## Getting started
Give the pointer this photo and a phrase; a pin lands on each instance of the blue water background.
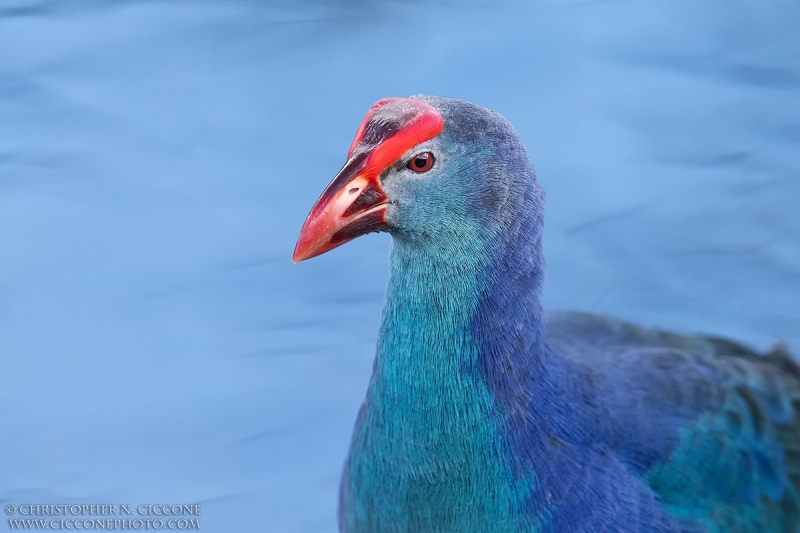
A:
(157, 160)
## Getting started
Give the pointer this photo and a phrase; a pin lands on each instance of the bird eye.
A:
(421, 162)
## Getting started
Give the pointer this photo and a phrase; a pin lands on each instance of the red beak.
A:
(354, 203)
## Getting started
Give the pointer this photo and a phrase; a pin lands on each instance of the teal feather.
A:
(735, 469)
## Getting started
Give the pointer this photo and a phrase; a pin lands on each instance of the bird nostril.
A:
(353, 190)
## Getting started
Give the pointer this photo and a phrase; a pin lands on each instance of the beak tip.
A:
(297, 256)
(304, 250)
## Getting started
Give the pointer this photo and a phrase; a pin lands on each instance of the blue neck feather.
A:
(453, 383)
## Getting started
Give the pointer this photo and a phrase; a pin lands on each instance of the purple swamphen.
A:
(483, 413)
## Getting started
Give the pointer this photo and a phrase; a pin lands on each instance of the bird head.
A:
(427, 170)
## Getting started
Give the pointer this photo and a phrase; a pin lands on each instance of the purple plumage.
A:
(485, 415)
